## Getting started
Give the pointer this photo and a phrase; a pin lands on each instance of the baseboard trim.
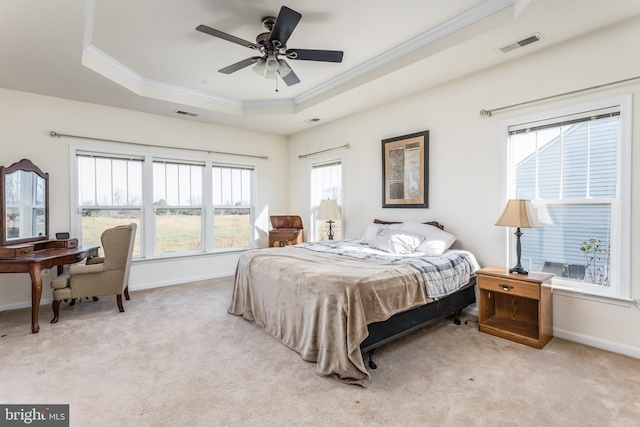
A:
(152, 285)
(140, 287)
(18, 305)
(614, 347)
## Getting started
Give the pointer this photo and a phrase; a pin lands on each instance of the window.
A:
(109, 194)
(181, 206)
(574, 169)
(326, 183)
(177, 201)
(232, 205)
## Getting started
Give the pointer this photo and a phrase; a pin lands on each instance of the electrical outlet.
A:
(45, 272)
(638, 303)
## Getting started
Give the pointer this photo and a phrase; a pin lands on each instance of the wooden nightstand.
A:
(515, 306)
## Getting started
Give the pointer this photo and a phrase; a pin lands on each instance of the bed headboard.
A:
(434, 223)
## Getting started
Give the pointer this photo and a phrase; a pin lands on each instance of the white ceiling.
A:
(146, 55)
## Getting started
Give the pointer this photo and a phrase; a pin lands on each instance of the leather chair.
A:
(108, 275)
(286, 230)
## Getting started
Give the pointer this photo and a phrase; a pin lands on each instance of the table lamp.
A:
(329, 211)
(519, 213)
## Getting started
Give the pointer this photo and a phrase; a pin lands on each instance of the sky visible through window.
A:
(109, 182)
(177, 184)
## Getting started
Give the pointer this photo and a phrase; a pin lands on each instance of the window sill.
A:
(567, 291)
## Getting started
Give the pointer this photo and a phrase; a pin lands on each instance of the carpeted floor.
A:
(176, 358)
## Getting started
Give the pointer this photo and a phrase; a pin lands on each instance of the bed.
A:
(331, 301)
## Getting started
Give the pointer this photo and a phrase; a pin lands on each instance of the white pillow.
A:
(398, 242)
(436, 241)
(372, 231)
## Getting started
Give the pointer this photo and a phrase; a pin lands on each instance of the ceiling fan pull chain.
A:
(276, 84)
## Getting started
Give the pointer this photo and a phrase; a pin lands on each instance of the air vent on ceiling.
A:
(186, 113)
(520, 43)
(315, 119)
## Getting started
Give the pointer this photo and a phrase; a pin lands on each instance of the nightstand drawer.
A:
(508, 286)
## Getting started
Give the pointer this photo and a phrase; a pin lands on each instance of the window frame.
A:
(620, 291)
(147, 208)
(202, 207)
(76, 220)
(252, 232)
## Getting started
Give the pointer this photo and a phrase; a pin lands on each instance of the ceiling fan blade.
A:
(285, 24)
(290, 79)
(239, 65)
(224, 36)
(315, 55)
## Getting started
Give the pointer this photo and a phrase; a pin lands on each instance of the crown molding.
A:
(436, 33)
(102, 63)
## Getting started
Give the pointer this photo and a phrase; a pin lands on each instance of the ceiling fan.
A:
(272, 46)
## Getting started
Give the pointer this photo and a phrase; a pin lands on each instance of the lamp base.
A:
(518, 270)
(330, 233)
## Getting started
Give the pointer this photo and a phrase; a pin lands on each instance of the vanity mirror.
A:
(24, 205)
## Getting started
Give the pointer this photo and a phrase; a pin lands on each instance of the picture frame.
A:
(405, 171)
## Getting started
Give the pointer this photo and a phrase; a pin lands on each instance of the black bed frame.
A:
(408, 321)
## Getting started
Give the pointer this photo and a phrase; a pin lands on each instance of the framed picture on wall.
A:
(405, 171)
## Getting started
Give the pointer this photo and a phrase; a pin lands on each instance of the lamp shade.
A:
(519, 213)
(283, 68)
(328, 210)
(260, 67)
(272, 63)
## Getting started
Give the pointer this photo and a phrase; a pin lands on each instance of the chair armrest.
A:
(60, 282)
(86, 269)
(95, 260)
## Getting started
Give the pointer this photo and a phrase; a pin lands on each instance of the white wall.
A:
(466, 189)
(26, 120)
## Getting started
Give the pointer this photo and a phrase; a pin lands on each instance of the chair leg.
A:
(95, 298)
(126, 293)
(120, 307)
(73, 302)
(56, 311)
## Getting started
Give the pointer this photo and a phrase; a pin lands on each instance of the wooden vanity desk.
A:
(35, 257)
(24, 229)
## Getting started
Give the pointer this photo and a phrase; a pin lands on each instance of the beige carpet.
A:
(176, 358)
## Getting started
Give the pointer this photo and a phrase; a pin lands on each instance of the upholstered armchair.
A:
(108, 275)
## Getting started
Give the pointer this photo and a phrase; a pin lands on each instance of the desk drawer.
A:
(9, 252)
(508, 286)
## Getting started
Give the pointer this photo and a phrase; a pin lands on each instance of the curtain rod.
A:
(488, 113)
(54, 134)
(304, 156)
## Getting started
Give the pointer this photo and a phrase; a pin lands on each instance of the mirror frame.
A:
(27, 166)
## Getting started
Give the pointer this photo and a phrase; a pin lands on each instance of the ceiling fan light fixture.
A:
(270, 75)
(272, 63)
(283, 68)
(260, 67)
